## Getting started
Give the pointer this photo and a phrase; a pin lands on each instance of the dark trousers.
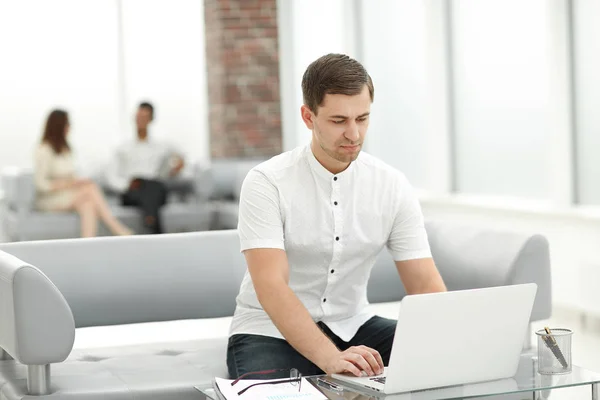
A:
(251, 353)
(149, 196)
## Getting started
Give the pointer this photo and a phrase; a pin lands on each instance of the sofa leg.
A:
(38, 379)
(4, 355)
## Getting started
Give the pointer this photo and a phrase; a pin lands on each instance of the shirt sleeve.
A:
(116, 178)
(260, 223)
(408, 239)
(43, 160)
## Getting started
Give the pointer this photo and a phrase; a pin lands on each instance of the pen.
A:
(553, 346)
(330, 385)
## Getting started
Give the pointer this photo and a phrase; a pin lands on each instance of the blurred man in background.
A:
(140, 169)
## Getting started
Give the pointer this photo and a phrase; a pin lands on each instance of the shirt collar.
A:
(320, 170)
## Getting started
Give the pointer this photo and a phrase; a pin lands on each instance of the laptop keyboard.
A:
(380, 379)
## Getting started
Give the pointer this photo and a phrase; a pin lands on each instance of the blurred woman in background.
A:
(58, 188)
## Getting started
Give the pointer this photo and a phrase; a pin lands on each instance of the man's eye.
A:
(338, 121)
(362, 119)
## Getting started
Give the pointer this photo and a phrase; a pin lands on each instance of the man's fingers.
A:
(349, 367)
(376, 356)
(379, 360)
(372, 357)
(372, 360)
(359, 360)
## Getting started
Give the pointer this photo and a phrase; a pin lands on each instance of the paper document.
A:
(280, 391)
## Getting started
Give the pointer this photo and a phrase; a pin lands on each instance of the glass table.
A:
(526, 384)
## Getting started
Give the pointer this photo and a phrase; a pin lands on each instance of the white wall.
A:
(67, 54)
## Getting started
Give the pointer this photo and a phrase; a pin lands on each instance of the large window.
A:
(308, 29)
(164, 62)
(587, 98)
(97, 59)
(394, 51)
(502, 111)
(59, 53)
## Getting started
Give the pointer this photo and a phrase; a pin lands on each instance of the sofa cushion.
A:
(227, 176)
(226, 214)
(187, 217)
(41, 225)
(153, 371)
(158, 360)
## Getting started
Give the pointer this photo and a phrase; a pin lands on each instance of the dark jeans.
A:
(251, 353)
(149, 196)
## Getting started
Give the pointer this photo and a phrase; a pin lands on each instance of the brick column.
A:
(243, 78)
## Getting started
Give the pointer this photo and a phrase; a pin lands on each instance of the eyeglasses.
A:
(295, 379)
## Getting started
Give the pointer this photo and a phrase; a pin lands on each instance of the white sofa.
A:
(149, 314)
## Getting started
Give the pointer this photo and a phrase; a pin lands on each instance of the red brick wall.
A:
(243, 78)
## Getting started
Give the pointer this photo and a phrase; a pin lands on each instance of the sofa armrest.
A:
(203, 181)
(533, 265)
(19, 189)
(37, 324)
(470, 257)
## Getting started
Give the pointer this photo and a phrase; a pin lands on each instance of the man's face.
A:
(143, 117)
(340, 126)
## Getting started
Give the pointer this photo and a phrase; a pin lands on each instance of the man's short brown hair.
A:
(334, 74)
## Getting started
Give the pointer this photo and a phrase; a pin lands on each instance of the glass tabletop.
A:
(527, 379)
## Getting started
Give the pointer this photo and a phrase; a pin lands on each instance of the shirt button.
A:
(335, 203)
(335, 178)
(332, 271)
(324, 300)
(337, 238)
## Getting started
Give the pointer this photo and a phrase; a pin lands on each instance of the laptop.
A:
(455, 338)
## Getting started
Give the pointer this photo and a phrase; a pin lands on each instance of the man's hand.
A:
(356, 360)
(177, 165)
(135, 184)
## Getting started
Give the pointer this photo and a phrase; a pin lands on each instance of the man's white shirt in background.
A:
(136, 159)
(332, 227)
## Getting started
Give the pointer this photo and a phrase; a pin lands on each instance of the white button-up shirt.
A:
(136, 159)
(332, 227)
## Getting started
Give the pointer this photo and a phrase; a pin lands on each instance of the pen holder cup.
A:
(554, 351)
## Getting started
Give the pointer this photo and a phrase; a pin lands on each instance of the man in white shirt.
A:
(138, 171)
(311, 224)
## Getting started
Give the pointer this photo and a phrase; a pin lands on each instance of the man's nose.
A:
(352, 133)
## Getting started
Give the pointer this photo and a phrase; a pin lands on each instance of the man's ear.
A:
(307, 116)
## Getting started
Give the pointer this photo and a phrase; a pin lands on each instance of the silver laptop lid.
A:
(459, 337)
